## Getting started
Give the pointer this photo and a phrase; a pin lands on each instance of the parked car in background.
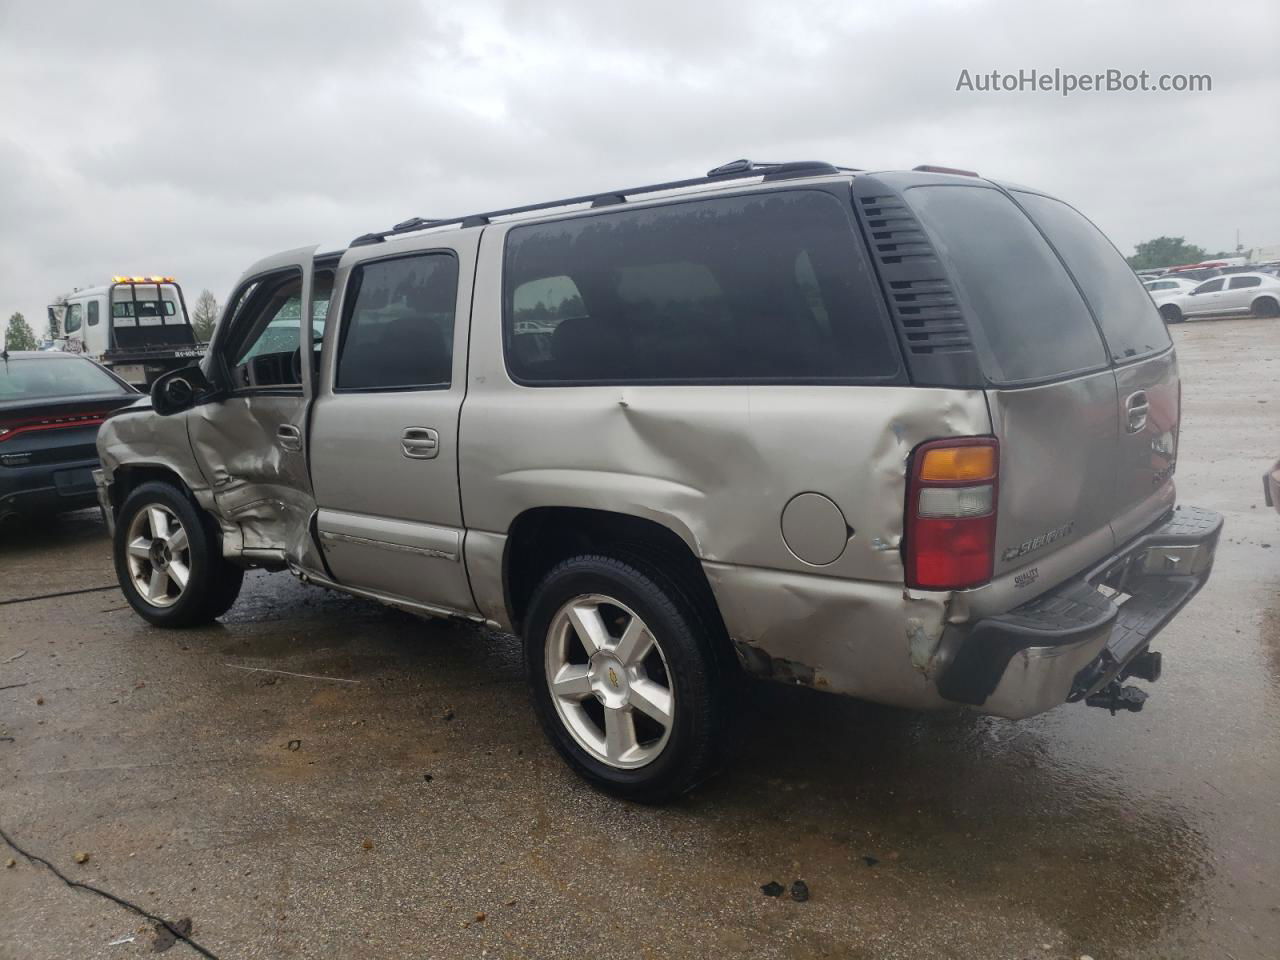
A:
(1169, 285)
(51, 404)
(1237, 293)
(137, 326)
(904, 436)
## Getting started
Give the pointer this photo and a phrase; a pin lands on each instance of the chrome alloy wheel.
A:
(609, 681)
(159, 555)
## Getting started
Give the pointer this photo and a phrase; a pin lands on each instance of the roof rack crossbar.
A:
(735, 170)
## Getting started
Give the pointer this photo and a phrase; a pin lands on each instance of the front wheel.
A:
(625, 677)
(168, 560)
(1171, 313)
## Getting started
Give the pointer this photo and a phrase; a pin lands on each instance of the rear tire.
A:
(1265, 307)
(169, 561)
(1171, 313)
(626, 678)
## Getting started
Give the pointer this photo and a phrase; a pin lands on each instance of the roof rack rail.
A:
(734, 170)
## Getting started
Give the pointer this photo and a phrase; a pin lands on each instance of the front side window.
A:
(398, 333)
(263, 348)
(1027, 317)
(1211, 286)
(769, 287)
(74, 318)
(1238, 283)
(1129, 322)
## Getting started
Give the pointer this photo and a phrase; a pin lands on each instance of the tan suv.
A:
(908, 436)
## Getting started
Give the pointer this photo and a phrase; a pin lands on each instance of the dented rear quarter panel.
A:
(717, 465)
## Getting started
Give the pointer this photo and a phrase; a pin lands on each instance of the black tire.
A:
(1171, 313)
(213, 583)
(1265, 307)
(695, 663)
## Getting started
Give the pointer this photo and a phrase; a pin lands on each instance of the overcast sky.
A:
(191, 139)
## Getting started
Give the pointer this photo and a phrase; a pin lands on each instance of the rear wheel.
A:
(1171, 313)
(168, 559)
(625, 679)
(1266, 307)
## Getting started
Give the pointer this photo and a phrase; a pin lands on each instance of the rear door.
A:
(1146, 370)
(384, 436)
(1052, 393)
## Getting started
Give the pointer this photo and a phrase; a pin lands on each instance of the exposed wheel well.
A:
(542, 537)
(128, 478)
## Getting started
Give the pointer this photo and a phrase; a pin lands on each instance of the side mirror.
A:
(179, 390)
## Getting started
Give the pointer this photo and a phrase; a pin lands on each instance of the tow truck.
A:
(137, 326)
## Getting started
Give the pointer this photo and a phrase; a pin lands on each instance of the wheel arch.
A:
(540, 537)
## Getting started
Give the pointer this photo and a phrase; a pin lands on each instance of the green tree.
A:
(204, 316)
(1165, 252)
(19, 336)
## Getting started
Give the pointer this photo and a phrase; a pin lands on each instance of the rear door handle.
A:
(289, 437)
(1137, 408)
(419, 443)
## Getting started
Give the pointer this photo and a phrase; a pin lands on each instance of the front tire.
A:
(168, 560)
(1171, 313)
(625, 677)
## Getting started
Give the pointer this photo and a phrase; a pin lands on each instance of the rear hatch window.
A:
(1028, 320)
(1129, 319)
(46, 379)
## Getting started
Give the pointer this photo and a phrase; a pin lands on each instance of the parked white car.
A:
(1236, 293)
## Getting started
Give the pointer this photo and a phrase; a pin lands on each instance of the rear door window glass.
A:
(399, 331)
(1028, 319)
(1237, 283)
(1128, 319)
(769, 287)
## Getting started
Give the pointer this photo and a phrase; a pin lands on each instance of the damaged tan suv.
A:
(908, 436)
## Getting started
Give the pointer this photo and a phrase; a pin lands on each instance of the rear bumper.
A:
(1072, 641)
(47, 488)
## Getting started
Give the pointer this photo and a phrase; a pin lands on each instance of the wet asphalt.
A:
(292, 817)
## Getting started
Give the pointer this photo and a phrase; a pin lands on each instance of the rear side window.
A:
(1129, 321)
(93, 313)
(770, 287)
(399, 328)
(1028, 319)
(1236, 283)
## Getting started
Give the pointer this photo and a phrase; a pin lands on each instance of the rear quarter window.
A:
(1028, 319)
(767, 287)
(1128, 319)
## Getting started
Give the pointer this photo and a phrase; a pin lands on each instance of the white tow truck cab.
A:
(137, 326)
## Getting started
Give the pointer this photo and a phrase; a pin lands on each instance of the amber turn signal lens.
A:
(959, 463)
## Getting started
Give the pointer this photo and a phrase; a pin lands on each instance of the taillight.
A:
(951, 513)
(11, 428)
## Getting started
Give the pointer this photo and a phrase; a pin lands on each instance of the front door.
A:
(384, 446)
(251, 446)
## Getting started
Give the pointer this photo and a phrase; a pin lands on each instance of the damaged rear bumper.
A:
(1071, 642)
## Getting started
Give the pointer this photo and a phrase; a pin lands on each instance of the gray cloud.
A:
(192, 139)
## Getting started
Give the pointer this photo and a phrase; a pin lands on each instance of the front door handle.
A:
(420, 443)
(289, 437)
(1137, 407)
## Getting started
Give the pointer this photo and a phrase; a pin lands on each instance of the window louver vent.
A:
(922, 300)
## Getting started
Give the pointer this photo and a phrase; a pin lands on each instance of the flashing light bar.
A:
(143, 280)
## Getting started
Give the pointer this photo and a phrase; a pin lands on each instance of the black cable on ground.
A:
(64, 593)
(177, 934)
